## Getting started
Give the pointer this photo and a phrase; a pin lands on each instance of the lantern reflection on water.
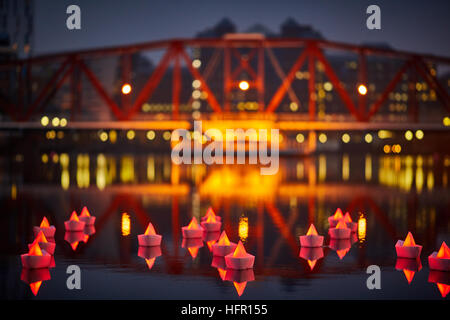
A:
(409, 267)
(442, 281)
(192, 245)
(149, 254)
(240, 278)
(34, 278)
(74, 238)
(341, 246)
(311, 255)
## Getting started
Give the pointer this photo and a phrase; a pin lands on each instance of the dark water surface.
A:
(386, 195)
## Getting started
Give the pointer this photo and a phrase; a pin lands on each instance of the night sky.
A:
(420, 26)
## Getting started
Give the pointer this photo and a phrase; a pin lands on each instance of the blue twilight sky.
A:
(414, 25)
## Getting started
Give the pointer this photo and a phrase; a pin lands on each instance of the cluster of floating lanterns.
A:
(408, 261)
(342, 231)
(39, 259)
(231, 259)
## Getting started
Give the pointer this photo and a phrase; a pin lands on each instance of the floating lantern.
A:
(240, 278)
(239, 259)
(340, 231)
(408, 248)
(36, 258)
(192, 245)
(41, 240)
(312, 238)
(409, 267)
(74, 238)
(46, 228)
(74, 224)
(210, 212)
(86, 217)
(149, 238)
(34, 278)
(440, 260)
(341, 246)
(442, 281)
(353, 226)
(334, 219)
(311, 255)
(210, 224)
(192, 230)
(149, 254)
(223, 247)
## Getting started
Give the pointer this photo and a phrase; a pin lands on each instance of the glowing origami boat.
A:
(311, 255)
(192, 245)
(442, 281)
(34, 278)
(149, 238)
(192, 230)
(409, 267)
(440, 260)
(210, 224)
(86, 217)
(149, 254)
(311, 239)
(334, 219)
(41, 240)
(224, 246)
(210, 212)
(239, 259)
(74, 238)
(46, 228)
(353, 226)
(74, 223)
(340, 231)
(408, 248)
(341, 246)
(239, 278)
(36, 258)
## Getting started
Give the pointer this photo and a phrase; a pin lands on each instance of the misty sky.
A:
(421, 26)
